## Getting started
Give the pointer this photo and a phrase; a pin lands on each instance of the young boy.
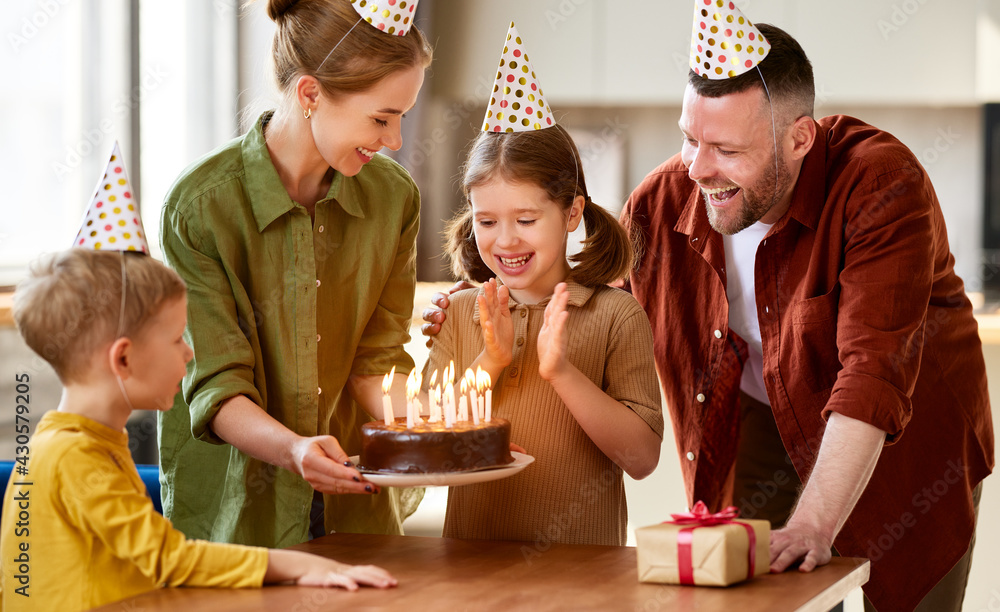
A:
(83, 533)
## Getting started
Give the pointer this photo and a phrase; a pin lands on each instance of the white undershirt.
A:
(741, 253)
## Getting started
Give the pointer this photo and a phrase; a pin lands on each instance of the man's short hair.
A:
(70, 304)
(786, 70)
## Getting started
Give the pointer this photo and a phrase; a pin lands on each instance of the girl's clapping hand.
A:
(552, 338)
(498, 329)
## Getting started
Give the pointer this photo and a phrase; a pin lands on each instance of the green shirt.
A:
(282, 309)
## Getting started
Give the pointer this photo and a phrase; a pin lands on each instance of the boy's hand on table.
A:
(305, 569)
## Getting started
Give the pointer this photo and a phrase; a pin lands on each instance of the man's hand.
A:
(434, 315)
(794, 542)
(847, 456)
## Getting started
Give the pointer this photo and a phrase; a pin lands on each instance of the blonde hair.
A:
(70, 304)
(307, 31)
(549, 159)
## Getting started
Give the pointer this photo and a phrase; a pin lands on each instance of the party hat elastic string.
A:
(774, 133)
(338, 43)
(393, 17)
(121, 330)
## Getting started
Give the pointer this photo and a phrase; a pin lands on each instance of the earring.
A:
(307, 113)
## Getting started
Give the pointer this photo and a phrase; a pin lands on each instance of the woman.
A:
(297, 244)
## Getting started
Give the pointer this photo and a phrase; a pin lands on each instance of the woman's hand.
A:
(435, 314)
(498, 328)
(552, 338)
(326, 467)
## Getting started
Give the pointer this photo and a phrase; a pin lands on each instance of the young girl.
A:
(297, 242)
(570, 357)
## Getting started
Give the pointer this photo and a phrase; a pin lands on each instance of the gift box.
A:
(704, 549)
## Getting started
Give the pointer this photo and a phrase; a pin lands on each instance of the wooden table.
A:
(444, 574)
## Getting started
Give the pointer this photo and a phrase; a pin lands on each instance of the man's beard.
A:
(758, 199)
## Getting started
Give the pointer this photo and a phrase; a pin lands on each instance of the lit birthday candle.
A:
(482, 385)
(449, 405)
(411, 381)
(386, 400)
(470, 383)
(433, 396)
(449, 388)
(463, 402)
(488, 382)
(418, 407)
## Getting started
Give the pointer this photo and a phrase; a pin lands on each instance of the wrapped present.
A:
(703, 549)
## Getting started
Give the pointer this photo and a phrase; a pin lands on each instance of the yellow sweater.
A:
(79, 531)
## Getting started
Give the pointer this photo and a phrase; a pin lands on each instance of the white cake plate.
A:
(448, 479)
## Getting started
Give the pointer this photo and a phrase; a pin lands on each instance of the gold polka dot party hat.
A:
(724, 44)
(390, 16)
(517, 103)
(111, 221)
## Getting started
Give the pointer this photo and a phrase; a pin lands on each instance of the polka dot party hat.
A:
(111, 221)
(724, 44)
(517, 103)
(390, 16)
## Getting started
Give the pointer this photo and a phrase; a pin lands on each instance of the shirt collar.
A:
(268, 197)
(809, 194)
(578, 296)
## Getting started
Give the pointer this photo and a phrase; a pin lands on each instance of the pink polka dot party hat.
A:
(111, 221)
(390, 16)
(724, 44)
(517, 103)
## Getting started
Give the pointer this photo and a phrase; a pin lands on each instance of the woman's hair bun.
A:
(276, 9)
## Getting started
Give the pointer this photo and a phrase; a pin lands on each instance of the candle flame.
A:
(483, 381)
(412, 384)
(450, 379)
(464, 387)
(470, 378)
(434, 378)
(387, 381)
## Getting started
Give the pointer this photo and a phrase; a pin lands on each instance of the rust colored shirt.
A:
(861, 313)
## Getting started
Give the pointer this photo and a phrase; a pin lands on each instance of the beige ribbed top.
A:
(572, 493)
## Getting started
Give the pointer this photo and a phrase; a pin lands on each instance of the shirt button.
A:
(319, 390)
(318, 283)
(700, 397)
(318, 337)
(321, 228)
(718, 333)
(690, 456)
(520, 341)
(524, 312)
(513, 372)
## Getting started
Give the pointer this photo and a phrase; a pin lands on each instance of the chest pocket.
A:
(813, 340)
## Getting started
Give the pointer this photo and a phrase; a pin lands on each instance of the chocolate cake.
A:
(432, 448)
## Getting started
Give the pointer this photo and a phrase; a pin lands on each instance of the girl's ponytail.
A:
(607, 253)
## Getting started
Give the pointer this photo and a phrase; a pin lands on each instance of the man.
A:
(809, 327)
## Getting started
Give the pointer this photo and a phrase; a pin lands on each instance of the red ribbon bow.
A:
(701, 517)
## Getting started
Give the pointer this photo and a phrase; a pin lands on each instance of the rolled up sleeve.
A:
(887, 261)
(223, 361)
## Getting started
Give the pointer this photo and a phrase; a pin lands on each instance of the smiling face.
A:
(159, 358)
(348, 130)
(521, 235)
(729, 150)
